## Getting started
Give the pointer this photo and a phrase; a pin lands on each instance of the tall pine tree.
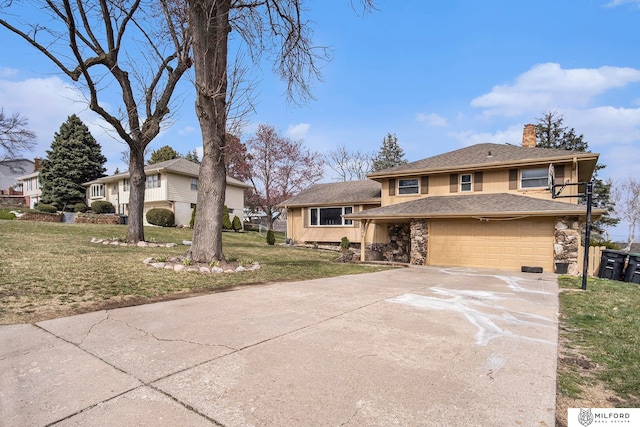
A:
(551, 133)
(75, 158)
(390, 154)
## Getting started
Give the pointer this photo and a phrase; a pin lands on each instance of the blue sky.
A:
(440, 74)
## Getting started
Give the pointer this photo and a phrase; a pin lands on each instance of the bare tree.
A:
(276, 29)
(280, 167)
(138, 49)
(627, 199)
(15, 136)
(350, 165)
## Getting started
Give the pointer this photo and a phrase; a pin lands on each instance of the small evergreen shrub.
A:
(162, 217)
(80, 207)
(344, 244)
(45, 207)
(102, 207)
(193, 217)
(226, 221)
(271, 238)
(236, 225)
(7, 215)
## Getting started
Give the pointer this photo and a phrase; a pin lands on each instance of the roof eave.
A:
(501, 165)
(455, 215)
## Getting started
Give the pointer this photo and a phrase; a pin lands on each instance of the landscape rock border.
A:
(177, 263)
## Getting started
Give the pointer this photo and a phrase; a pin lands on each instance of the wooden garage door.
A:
(492, 244)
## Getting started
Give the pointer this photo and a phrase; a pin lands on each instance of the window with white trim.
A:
(534, 178)
(126, 184)
(153, 181)
(465, 182)
(97, 190)
(194, 184)
(330, 216)
(408, 186)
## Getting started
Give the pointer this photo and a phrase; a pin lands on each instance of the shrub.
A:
(7, 215)
(45, 207)
(102, 207)
(80, 207)
(162, 217)
(236, 225)
(271, 238)
(344, 244)
(193, 217)
(226, 221)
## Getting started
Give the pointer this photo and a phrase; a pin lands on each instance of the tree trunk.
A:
(137, 181)
(209, 22)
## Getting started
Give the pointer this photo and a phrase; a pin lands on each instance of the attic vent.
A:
(489, 155)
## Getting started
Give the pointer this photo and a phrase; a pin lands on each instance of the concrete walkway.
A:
(409, 347)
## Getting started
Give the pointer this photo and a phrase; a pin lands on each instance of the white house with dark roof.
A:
(172, 184)
(487, 205)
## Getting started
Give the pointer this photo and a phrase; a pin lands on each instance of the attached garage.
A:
(501, 244)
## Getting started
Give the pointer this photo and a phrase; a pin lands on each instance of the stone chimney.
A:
(529, 136)
(37, 164)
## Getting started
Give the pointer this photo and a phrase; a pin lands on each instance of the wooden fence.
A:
(595, 254)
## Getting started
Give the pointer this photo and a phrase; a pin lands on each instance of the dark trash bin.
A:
(612, 264)
(124, 219)
(632, 273)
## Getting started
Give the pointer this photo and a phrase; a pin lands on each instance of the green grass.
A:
(603, 325)
(50, 270)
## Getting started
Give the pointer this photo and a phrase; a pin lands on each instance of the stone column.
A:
(567, 241)
(419, 241)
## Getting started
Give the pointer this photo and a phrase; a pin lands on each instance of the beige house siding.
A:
(492, 181)
(299, 230)
(179, 189)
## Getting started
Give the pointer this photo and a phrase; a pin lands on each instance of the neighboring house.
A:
(172, 185)
(28, 184)
(10, 173)
(487, 205)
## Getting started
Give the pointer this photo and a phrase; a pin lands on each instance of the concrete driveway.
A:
(417, 346)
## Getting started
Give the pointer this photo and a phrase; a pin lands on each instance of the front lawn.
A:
(52, 270)
(599, 357)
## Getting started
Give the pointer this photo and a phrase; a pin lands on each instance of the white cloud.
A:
(614, 3)
(298, 131)
(512, 135)
(606, 125)
(47, 103)
(432, 119)
(8, 72)
(186, 130)
(547, 86)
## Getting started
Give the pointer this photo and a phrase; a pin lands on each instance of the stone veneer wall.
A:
(419, 241)
(567, 241)
(398, 247)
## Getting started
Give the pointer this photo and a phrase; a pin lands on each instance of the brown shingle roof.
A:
(337, 193)
(495, 205)
(482, 156)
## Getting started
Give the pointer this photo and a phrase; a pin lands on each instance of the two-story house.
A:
(487, 205)
(172, 184)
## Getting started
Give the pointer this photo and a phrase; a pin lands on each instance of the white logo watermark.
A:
(586, 417)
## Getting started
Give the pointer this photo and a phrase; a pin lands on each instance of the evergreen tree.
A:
(551, 133)
(163, 154)
(192, 156)
(75, 158)
(390, 154)
(226, 220)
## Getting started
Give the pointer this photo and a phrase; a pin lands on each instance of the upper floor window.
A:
(97, 190)
(465, 182)
(153, 181)
(37, 183)
(534, 178)
(330, 216)
(194, 184)
(408, 186)
(29, 184)
(126, 184)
